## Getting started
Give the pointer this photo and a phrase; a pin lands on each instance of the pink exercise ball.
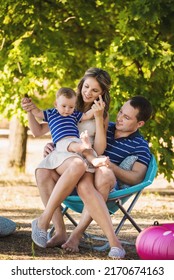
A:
(156, 242)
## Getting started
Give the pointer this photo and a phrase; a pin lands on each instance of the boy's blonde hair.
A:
(67, 92)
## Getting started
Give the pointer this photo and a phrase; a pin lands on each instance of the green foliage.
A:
(140, 59)
(47, 44)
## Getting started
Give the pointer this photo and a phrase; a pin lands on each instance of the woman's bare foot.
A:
(56, 240)
(71, 245)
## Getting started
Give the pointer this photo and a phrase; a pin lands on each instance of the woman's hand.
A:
(48, 149)
(98, 107)
(27, 104)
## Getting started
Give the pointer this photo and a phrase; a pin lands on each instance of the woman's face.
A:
(90, 90)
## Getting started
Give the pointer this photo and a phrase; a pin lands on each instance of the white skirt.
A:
(55, 159)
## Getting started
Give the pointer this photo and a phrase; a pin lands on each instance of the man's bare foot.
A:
(56, 240)
(71, 245)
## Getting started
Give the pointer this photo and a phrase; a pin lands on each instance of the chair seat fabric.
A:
(75, 203)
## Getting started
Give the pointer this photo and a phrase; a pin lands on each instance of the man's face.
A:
(126, 120)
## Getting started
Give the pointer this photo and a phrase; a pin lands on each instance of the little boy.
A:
(63, 120)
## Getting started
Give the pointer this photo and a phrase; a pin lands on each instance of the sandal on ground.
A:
(38, 236)
(116, 253)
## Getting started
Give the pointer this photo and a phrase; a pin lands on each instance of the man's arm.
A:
(37, 129)
(132, 177)
(35, 110)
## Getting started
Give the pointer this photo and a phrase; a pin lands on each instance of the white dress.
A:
(55, 159)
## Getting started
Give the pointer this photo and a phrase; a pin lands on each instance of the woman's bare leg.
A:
(73, 167)
(46, 180)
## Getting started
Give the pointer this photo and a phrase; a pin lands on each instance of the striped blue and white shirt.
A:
(61, 126)
(118, 149)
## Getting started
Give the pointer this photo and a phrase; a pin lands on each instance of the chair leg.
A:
(64, 212)
(126, 214)
(125, 217)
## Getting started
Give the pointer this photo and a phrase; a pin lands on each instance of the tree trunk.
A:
(17, 146)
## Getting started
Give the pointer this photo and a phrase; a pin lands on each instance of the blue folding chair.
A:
(115, 202)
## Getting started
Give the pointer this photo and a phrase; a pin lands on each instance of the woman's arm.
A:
(100, 136)
(101, 127)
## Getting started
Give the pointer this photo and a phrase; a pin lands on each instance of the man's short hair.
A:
(143, 105)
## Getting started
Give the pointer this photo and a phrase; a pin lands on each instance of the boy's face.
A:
(65, 106)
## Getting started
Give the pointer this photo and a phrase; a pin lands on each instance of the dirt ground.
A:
(21, 203)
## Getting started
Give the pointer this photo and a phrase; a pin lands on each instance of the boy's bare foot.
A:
(100, 161)
(86, 144)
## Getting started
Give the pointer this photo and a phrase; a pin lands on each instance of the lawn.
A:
(21, 203)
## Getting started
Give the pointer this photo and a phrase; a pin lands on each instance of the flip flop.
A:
(116, 253)
(38, 236)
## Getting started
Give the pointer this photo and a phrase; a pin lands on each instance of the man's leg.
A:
(46, 180)
(104, 182)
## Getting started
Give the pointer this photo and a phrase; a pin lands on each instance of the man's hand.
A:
(27, 104)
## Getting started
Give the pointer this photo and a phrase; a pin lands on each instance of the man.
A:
(123, 139)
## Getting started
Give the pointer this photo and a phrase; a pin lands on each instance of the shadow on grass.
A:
(20, 246)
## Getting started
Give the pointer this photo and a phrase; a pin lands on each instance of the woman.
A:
(94, 83)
